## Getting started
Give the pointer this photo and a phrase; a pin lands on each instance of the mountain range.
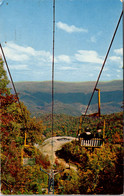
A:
(70, 97)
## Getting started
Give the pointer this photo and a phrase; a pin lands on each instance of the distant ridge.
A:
(70, 97)
(63, 87)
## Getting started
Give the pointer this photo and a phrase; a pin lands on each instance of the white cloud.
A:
(119, 51)
(108, 75)
(27, 50)
(36, 64)
(70, 29)
(118, 76)
(106, 69)
(89, 56)
(91, 75)
(63, 58)
(118, 57)
(97, 68)
(15, 55)
(115, 58)
(93, 39)
(19, 67)
(67, 68)
(19, 53)
(118, 70)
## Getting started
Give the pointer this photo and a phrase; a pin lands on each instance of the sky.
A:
(83, 32)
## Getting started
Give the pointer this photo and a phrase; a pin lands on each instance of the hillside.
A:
(70, 98)
(26, 150)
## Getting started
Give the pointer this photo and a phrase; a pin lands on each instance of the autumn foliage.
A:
(16, 178)
(97, 171)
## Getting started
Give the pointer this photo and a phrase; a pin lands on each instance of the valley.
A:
(70, 98)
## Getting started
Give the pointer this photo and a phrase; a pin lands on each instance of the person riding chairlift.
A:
(87, 135)
(99, 132)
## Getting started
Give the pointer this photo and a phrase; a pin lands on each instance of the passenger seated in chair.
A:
(87, 135)
(99, 132)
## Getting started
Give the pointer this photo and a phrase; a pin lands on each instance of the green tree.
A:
(3, 79)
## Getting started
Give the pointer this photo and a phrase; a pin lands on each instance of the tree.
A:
(3, 79)
(14, 177)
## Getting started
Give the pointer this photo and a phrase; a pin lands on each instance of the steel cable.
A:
(25, 121)
(53, 91)
(103, 64)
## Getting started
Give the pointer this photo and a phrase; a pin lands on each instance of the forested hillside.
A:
(89, 171)
(70, 98)
(15, 122)
(98, 172)
(69, 125)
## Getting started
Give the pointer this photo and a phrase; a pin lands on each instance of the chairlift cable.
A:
(103, 64)
(53, 70)
(123, 56)
(53, 49)
(9, 73)
(25, 121)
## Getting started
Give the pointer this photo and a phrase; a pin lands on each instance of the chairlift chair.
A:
(27, 160)
(87, 139)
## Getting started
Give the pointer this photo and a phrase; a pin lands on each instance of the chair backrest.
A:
(95, 142)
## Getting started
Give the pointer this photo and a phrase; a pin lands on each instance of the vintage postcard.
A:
(61, 97)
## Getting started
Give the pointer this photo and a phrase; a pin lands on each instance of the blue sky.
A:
(83, 31)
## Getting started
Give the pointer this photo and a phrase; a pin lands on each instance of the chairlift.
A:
(26, 154)
(88, 139)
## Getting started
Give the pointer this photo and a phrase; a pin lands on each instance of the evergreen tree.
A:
(3, 79)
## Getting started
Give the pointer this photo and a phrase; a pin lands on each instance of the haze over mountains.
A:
(70, 98)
